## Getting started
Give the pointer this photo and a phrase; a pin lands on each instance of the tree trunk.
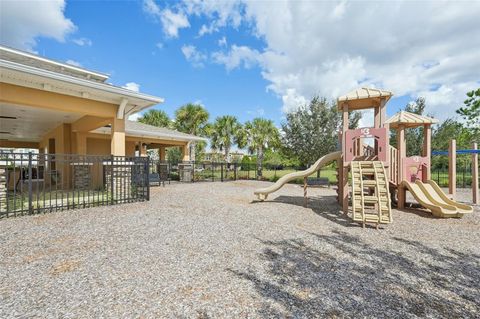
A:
(259, 162)
(227, 151)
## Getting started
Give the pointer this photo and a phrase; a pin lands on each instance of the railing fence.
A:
(32, 183)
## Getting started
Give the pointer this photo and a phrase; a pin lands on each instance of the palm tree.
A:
(226, 131)
(157, 118)
(193, 119)
(261, 134)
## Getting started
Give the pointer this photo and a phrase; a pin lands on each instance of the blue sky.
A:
(254, 59)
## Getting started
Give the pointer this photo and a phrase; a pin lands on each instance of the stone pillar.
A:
(118, 176)
(82, 176)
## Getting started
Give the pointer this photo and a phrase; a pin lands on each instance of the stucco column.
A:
(81, 143)
(143, 149)
(185, 152)
(118, 137)
(162, 153)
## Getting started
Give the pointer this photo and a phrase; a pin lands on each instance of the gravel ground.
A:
(205, 251)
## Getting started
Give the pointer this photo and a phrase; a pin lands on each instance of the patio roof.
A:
(362, 98)
(408, 120)
(137, 129)
(27, 70)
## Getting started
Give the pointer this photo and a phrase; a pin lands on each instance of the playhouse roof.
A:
(363, 98)
(408, 119)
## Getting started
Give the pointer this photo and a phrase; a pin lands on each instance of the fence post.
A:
(111, 180)
(475, 193)
(147, 172)
(234, 171)
(452, 168)
(30, 190)
(221, 171)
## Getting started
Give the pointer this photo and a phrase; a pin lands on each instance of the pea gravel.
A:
(205, 251)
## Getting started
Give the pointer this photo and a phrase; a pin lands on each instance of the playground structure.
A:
(379, 173)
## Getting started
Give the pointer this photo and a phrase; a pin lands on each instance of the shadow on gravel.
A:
(324, 206)
(354, 279)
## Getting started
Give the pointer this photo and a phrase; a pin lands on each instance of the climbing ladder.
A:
(370, 194)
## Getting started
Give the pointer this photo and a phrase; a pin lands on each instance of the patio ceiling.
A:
(24, 123)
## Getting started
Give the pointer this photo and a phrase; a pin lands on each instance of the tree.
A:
(441, 137)
(193, 119)
(226, 131)
(261, 134)
(471, 113)
(174, 154)
(413, 136)
(311, 131)
(157, 118)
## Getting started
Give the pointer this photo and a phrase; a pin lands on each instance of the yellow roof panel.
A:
(408, 119)
(363, 98)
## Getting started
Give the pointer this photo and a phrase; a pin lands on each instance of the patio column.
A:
(143, 149)
(118, 137)
(185, 152)
(81, 143)
(161, 153)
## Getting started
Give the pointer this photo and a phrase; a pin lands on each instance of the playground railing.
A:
(393, 168)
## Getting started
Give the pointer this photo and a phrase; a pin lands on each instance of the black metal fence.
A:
(464, 175)
(196, 171)
(32, 183)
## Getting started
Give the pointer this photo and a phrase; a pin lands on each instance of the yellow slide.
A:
(431, 196)
(263, 192)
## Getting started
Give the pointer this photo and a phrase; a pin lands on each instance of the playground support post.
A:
(452, 168)
(475, 193)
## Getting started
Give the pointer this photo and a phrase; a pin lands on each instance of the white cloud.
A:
(171, 21)
(292, 100)
(132, 86)
(22, 22)
(330, 48)
(73, 62)
(134, 117)
(237, 56)
(195, 57)
(222, 42)
(82, 42)
(159, 45)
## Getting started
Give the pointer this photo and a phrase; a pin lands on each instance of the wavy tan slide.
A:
(432, 188)
(434, 199)
(262, 193)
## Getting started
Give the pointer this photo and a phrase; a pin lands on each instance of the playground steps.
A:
(370, 193)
